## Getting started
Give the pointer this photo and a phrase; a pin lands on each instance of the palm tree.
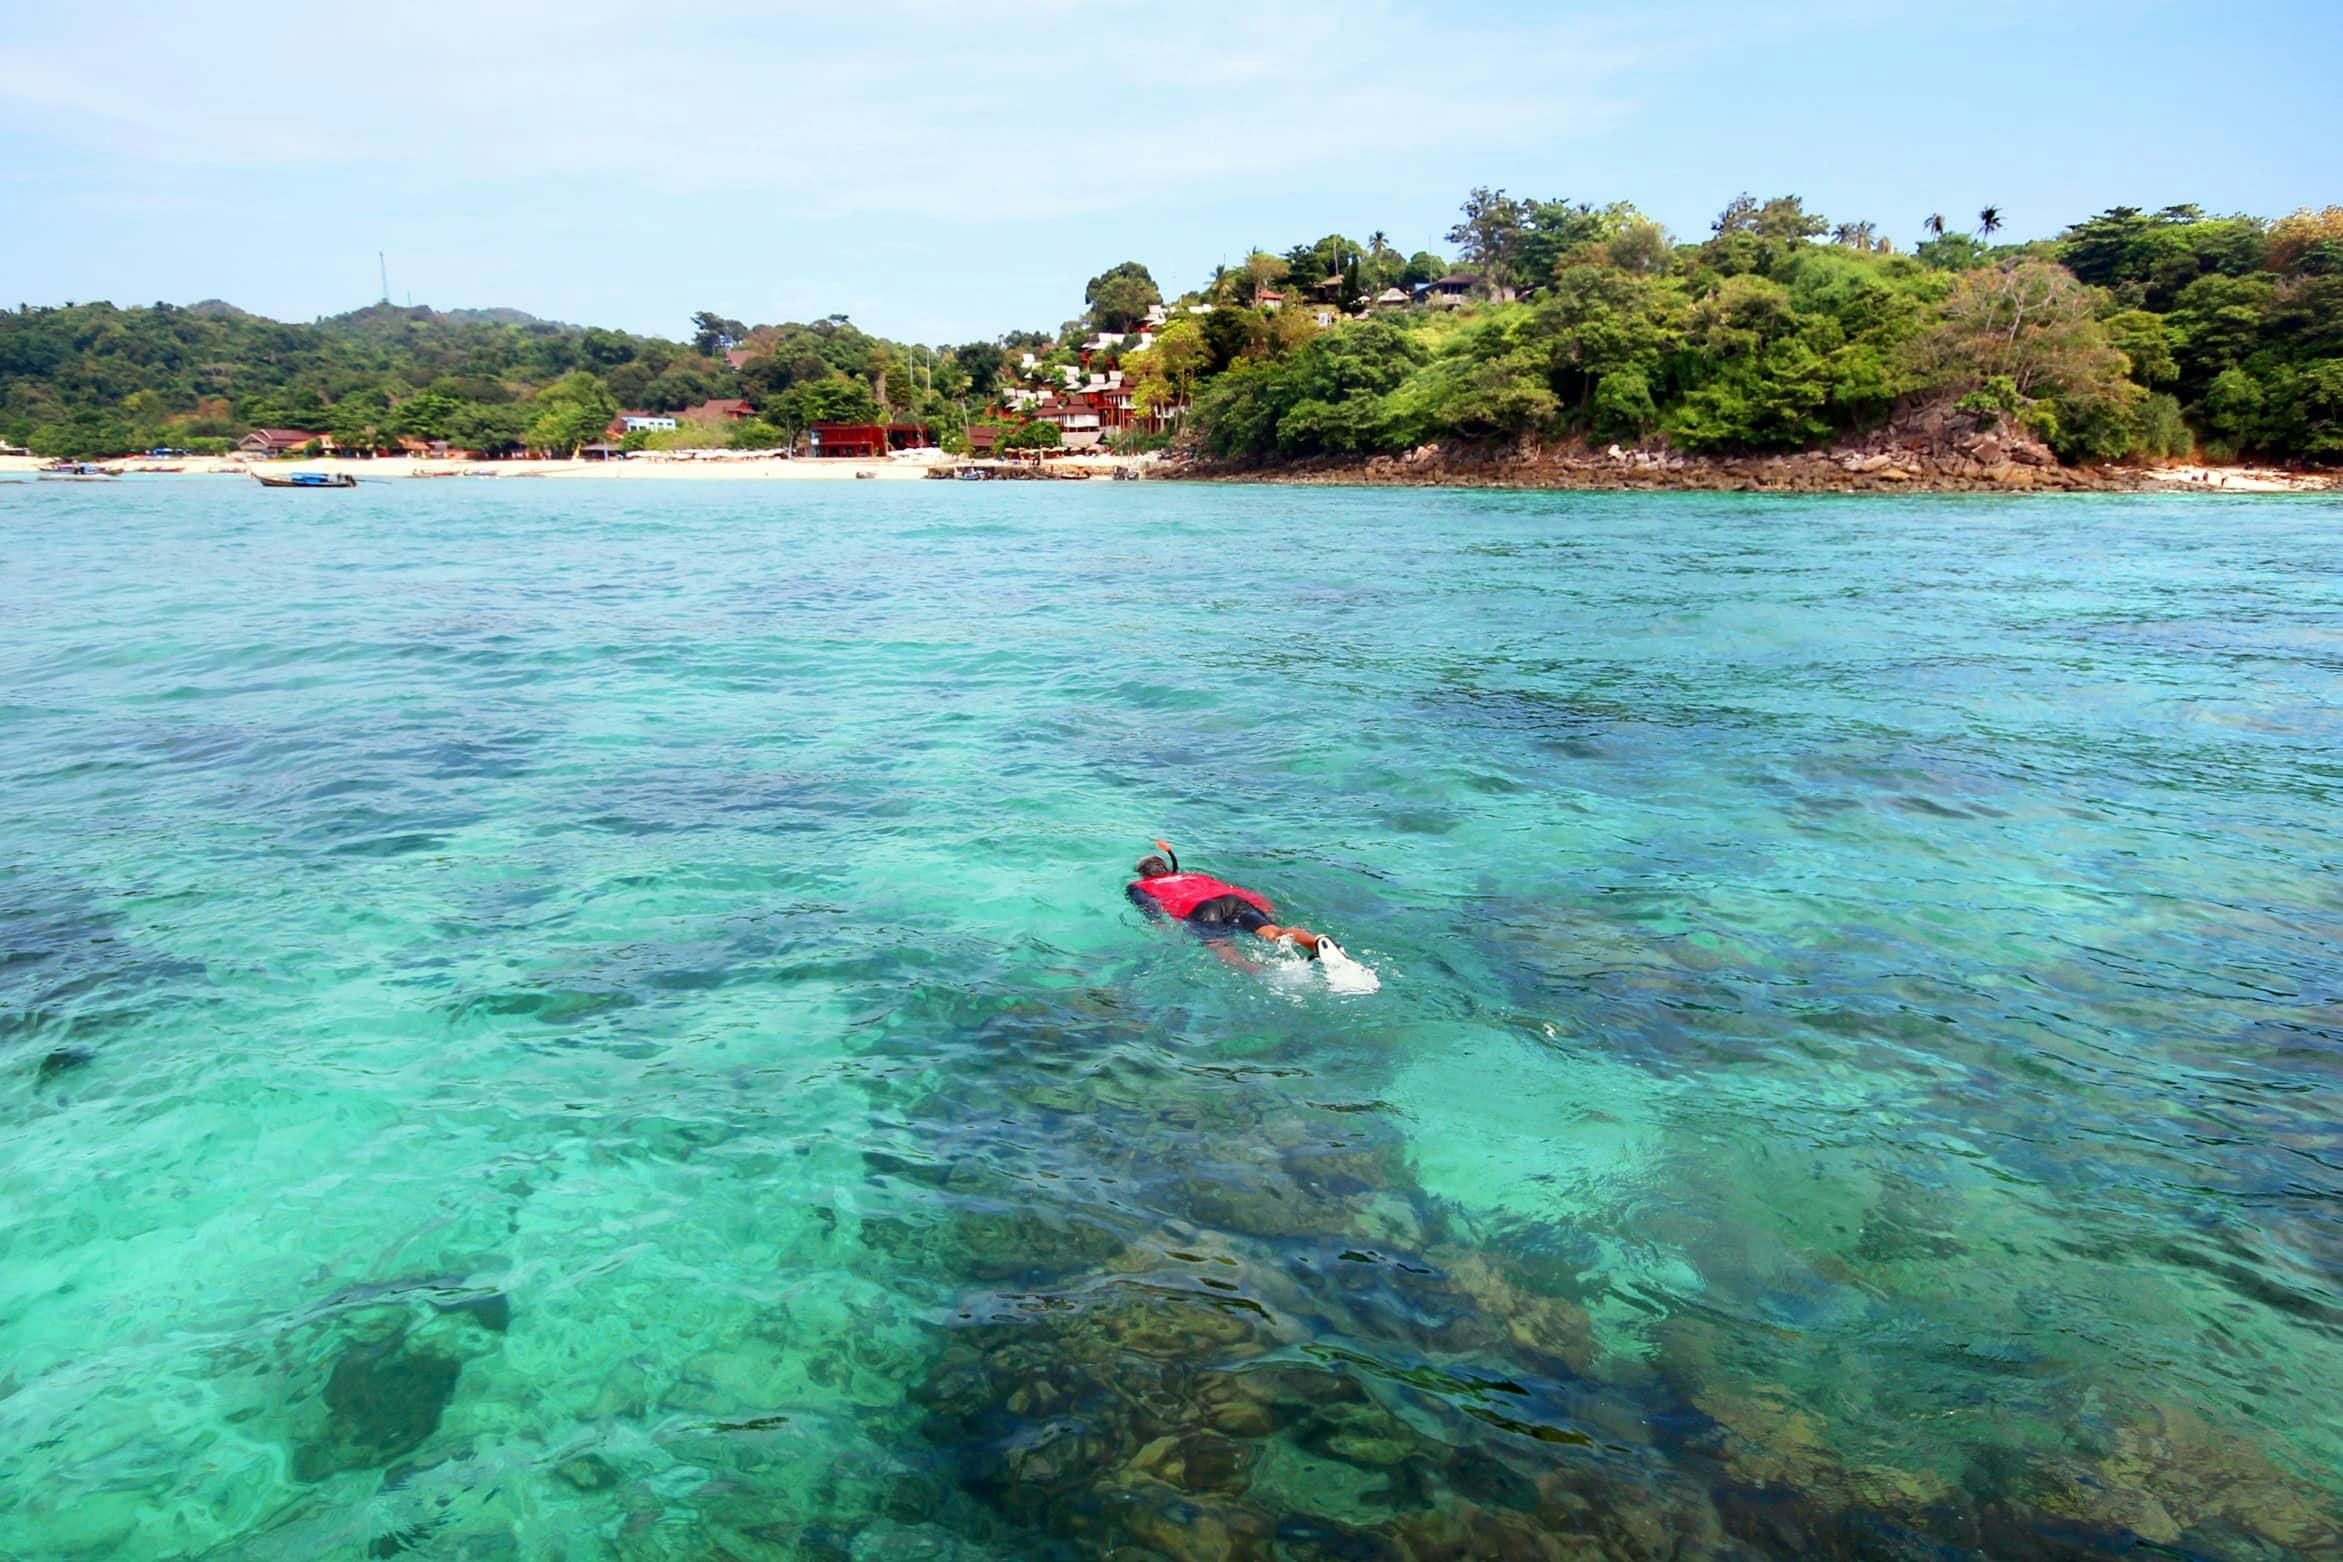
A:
(1989, 222)
(1377, 244)
(1934, 226)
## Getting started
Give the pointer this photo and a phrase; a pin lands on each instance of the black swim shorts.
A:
(1225, 912)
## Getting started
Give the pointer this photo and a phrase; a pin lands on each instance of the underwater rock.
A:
(382, 1401)
(1767, 1441)
(1199, 1462)
(61, 1062)
(587, 1472)
(1183, 1325)
(1186, 1530)
(1270, 1341)
(1358, 1448)
(554, 1006)
(1894, 1233)
(890, 1540)
(1541, 1324)
(1636, 1512)
(1230, 1403)
(1770, 1445)
(492, 1311)
(1471, 1533)
(2168, 1472)
(2234, 1543)
(1029, 1244)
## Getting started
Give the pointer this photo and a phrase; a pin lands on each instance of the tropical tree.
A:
(1120, 296)
(982, 362)
(358, 421)
(488, 428)
(1489, 233)
(837, 398)
(1760, 236)
(1422, 267)
(1262, 271)
(573, 411)
(85, 435)
(712, 333)
(2309, 242)
(760, 434)
(2233, 408)
(1553, 231)
(1039, 434)
(1165, 376)
(1640, 247)
(1989, 223)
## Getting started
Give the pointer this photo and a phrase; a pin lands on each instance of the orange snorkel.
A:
(1169, 855)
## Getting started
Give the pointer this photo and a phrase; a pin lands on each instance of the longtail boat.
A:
(306, 480)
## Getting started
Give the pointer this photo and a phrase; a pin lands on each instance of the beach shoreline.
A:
(646, 467)
(1559, 471)
(1801, 472)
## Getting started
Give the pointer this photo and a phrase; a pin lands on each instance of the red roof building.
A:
(276, 441)
(1118, 409)
(730, 409)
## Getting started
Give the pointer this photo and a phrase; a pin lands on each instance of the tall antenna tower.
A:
(385, 265)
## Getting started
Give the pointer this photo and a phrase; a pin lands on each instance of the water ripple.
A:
(556, 1021)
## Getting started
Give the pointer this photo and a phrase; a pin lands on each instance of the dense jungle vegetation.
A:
(2130, 335)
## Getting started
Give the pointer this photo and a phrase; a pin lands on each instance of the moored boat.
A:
(306, 480)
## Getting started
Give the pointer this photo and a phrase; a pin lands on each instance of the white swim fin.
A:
(1343, 974)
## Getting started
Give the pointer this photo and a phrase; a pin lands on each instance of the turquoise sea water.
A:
(545, 1020)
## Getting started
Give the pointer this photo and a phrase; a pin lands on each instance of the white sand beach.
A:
(648, 466)
(2242, 479)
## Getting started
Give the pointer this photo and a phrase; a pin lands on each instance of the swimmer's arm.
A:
(1306, 940)
(1230, 954)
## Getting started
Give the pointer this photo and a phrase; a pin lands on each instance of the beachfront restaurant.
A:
(856, 441)
(867, 441)
(278, 441)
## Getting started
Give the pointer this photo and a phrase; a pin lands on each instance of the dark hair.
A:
(1152, 866)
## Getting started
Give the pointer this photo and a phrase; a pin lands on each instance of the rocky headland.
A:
(1937, 450)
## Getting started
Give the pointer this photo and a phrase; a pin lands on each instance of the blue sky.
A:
(946, 171)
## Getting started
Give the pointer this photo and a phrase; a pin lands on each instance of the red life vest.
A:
(1180, 893)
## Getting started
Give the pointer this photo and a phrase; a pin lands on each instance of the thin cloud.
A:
(723, 99)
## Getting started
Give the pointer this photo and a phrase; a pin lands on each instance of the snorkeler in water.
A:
(1213, 908)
